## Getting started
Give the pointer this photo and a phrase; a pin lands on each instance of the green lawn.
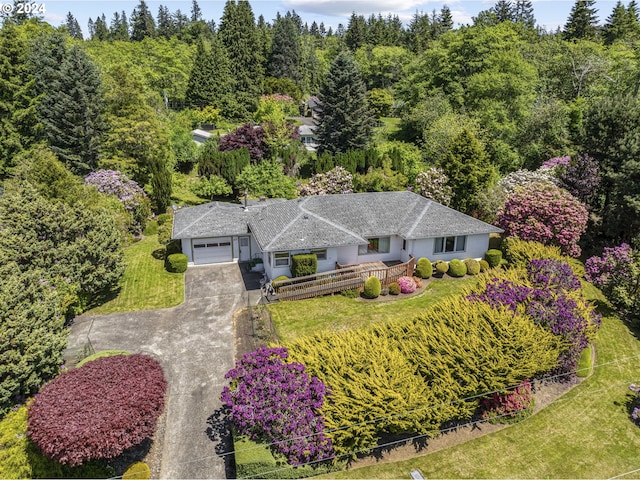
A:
(335, 313)
(585, 434)
(145, 284)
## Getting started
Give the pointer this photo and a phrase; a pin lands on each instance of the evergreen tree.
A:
(356, 33)
(286, 50)
(418, 35)
(524, 13)
(100, 31)
(239, 36)
(73, 27)
(622, 24)
(71, 105)
(17, 102)
(210, 80)
(142, 23)
(445, 19)
(504, 11)
(468, 168)
(181, 24)
(345, 120)
(196, 12)
(120, 27)
(164, 21)
(582, 22)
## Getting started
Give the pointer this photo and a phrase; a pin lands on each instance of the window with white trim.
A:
(375, 245)
(450, 244)
(281, 259)
(320, 254)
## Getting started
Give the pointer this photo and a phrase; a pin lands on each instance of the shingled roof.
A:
(329, 220)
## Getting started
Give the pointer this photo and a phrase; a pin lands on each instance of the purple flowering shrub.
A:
(407, 284)
(128, 193)
(511, 406)
(550, 295)
(635, 403)
(617, 274)
(547, 214)
(434, 184)
(279, 403)
(336, 180)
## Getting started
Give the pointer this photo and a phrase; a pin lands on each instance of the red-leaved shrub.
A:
(98, 410)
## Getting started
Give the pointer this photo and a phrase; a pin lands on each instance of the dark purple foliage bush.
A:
(249, 136)
(582, 179)
(277, 402)
(99, 410)
(511, 406)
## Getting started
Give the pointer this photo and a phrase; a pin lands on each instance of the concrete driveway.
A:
(194, 342)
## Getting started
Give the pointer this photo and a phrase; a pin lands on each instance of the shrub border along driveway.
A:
(194, 342)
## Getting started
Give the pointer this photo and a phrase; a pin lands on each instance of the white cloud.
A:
(344, 8)
(54, 19)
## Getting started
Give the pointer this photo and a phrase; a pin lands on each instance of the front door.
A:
(245, 250)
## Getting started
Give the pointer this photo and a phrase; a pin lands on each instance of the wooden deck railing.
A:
(344, 278)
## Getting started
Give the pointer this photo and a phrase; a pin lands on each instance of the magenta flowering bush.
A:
(547, 214)
(278, 402)
(617, 274)
(335, 181)
(433, 184)
(550, 296)
(128, 193)
(407, 284)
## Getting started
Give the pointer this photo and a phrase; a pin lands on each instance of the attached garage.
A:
(212, 250)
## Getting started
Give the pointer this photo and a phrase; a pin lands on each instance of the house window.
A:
(281, 259)
(375, 245)
(450, 244)
(321, 254)
(404, 244)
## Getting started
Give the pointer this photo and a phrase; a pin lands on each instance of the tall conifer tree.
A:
(286, 50)
(345, 122)
(142, 23)
(239, 36)
(583, 22)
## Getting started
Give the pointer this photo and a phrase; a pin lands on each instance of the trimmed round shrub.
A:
(176, 263)
(457, 268)
(99, 410)
(407, 284)
(281, 278)
(372, 288)
(137, 471)
(442, 267)
(493, 257)
(394, 288)
(160, 253)
(473, 266)
(484, 265)
(424, 269)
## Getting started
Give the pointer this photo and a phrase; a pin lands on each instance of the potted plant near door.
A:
(256, 265)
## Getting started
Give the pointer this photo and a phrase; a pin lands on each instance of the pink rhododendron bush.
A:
(98, 410)
(547, 214)
(407, 284)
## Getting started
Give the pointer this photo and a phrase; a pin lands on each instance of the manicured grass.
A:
(585, 365)
(145, 284)
(587, 433)
(335, 313)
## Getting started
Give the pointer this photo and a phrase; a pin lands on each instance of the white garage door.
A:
(212, 250)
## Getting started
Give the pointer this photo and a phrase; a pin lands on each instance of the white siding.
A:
(476, 246)
(347, 255)
(186, 248)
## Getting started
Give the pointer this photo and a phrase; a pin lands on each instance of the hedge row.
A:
(402, 377)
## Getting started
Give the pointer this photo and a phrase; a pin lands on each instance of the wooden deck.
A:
(343, 278)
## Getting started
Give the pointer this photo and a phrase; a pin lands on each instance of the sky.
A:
(550, 14)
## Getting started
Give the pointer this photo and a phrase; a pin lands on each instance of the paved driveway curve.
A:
(194, 342)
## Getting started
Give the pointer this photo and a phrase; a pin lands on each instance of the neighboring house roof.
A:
(307, 130)
(329, 220)
(200, 136)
